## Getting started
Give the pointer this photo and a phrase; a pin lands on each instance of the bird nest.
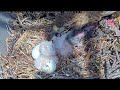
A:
(19, 46)
(20, 55)
(85, 62)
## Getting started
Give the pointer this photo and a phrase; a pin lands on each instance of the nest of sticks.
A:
(98, 58)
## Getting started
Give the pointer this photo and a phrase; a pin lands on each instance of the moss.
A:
(46, 21)
(118, 45)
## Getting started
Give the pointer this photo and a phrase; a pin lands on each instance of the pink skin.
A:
(110, 23)
(80, 35)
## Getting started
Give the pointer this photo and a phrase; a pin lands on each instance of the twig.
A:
(106, 13)
(3, 58)
(9, 28)
(26, 56)
(113, 69)
(9, 31)
(19, 20)
(113, 76)
(87, 58)
(116, 51)
(118, 58)
(108, 66)
(24, 19)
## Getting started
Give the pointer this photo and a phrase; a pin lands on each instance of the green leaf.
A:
(46, 21)
(55, 28)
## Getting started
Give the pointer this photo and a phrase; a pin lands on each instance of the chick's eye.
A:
(76, 46)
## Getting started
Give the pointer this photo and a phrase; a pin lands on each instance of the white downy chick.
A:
(46, 64)
(36, 52)
(45, 48)
(62, 46)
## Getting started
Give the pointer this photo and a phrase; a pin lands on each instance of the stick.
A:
(19, 20)
(87, 58)
(118, 58)
(26, 56)
(113, 76)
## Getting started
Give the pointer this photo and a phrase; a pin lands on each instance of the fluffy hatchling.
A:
(45, 48)
(44, 56)
(77, 36)
(63, 48)
(46, 64)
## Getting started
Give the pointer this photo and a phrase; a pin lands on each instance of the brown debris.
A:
(87, 58)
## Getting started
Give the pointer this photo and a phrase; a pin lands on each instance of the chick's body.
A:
(46, 64)
(44, 56)
(62, 46)
(45, 48)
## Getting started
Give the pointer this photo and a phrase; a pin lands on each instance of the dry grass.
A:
(28, 33)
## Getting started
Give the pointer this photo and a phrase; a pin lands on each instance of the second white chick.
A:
(46, 64)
